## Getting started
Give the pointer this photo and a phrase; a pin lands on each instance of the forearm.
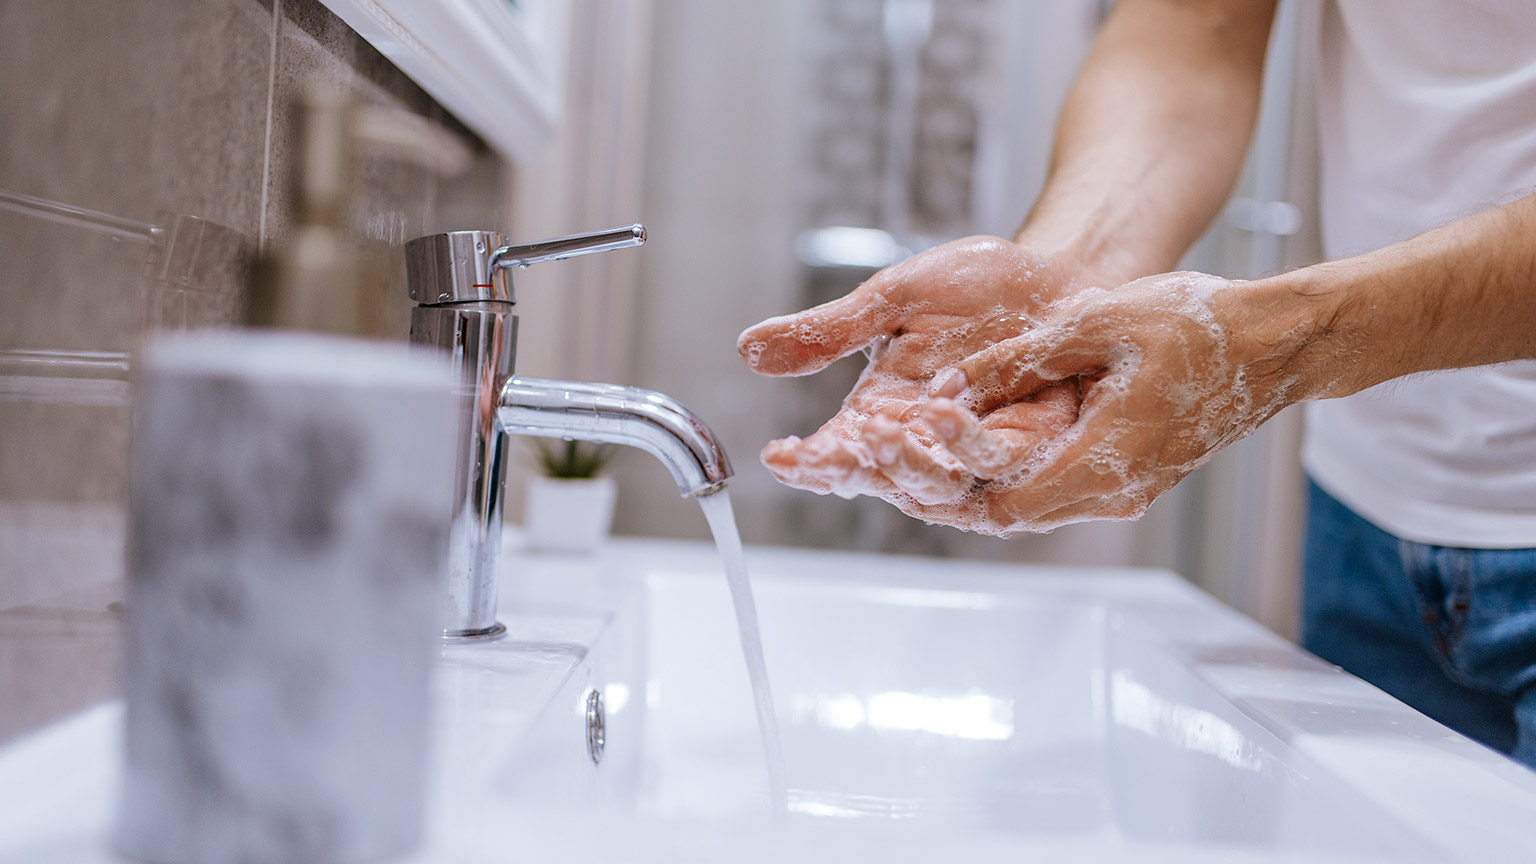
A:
(1461, 295)
(1153, 134)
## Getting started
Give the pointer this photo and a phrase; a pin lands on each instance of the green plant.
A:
(572, 460)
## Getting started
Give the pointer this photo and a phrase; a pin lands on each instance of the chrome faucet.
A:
(462, 284)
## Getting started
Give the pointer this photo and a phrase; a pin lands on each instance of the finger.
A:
(1065, 399)
(1075, 473)
(824, 463)
(1000, 443)
(921, 472)
(1083, 463)
(1017, 368)
(781, 459)
(988, 453)
(1047, 413)
(811, 340)
(819, 462)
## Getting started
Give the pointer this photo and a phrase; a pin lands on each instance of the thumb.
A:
(809, 341)
(1015, 369)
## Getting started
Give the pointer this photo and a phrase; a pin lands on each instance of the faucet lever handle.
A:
(525, 254)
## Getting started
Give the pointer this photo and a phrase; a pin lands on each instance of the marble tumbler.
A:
(288, 546)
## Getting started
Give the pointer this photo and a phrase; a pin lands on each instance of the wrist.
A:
(1322, 324)
(1078, 256)
(1105, 257)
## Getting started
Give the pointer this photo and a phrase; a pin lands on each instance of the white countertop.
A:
(493, 703)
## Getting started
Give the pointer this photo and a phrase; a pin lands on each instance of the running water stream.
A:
(722, 523)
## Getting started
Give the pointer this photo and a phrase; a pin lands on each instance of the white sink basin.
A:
(1029, 716)
(1122, 714)
(930, 710)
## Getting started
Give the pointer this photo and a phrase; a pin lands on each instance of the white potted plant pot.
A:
(568, 515)
(569, 507)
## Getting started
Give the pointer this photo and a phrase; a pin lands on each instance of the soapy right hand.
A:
(1173, 368)
(922, 316)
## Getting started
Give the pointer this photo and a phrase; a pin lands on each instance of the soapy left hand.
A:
(921, 316)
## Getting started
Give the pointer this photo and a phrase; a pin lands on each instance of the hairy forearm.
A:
(1460, 295)
(1153, 133)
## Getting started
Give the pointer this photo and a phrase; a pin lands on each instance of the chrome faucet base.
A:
(488, 634)
(481, 337)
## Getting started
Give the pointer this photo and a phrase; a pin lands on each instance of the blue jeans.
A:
(1451, 632)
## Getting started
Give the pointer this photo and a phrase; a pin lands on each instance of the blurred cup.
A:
(287, 551)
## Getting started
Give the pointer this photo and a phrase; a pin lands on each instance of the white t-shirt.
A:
(1428, 115)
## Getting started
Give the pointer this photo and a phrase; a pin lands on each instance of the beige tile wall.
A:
(143, 109)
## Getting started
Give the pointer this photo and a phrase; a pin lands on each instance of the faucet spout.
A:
(607, 413)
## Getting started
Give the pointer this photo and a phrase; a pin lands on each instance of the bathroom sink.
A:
(930, 710)
(925, 703)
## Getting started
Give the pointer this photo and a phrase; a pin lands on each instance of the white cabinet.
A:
(498, 65)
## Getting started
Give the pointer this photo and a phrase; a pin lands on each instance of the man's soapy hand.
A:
(920, 316)
(1172, 369)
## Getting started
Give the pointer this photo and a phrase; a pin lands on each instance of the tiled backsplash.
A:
(148, 110)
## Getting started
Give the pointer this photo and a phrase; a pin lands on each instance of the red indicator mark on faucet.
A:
(480, 285)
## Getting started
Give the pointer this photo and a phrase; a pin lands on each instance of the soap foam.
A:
(1201, 400)
(1181, 393)
(1206, 401)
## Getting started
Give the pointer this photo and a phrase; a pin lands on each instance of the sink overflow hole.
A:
(596, 733)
